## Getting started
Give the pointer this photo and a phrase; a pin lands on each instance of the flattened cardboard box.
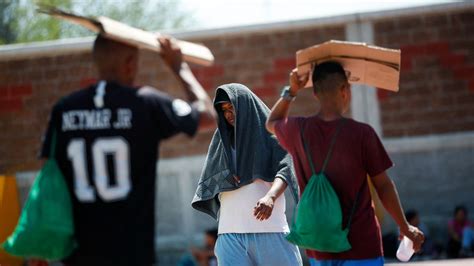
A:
(192, 52)
(364, 64)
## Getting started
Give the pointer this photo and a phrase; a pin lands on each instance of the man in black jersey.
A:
(107, 138)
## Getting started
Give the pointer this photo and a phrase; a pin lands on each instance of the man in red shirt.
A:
(357, 152)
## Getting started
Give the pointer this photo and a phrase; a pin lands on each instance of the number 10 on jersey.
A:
(116, 147)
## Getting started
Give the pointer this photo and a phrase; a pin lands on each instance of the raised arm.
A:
(196, 95)
(282, 106)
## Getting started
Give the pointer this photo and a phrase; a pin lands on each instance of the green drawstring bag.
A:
(45, 229)
(318, 222)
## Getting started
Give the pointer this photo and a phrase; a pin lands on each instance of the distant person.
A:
(206, 256)
(356, 152)
(202, 256)
(242, 184)
(107, 138)
(461, 236)
(427, 249)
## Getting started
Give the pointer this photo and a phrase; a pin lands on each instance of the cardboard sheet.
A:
(364, 64)
(192, 52)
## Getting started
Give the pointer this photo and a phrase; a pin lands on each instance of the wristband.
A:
(286, 94)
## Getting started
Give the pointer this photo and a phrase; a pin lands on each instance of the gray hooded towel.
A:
(258, 153)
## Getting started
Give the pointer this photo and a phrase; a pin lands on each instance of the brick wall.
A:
(436, 90)
(437, 78)
(28, 90)
(260, 61)
(30, 87)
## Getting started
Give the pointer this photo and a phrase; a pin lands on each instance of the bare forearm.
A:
(389, 196)
(264, 207)
(195, 92)
(278, 187)
(279, 112)
(171, 55)
(281, 109)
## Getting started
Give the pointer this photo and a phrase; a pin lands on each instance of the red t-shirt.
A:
(358, 152)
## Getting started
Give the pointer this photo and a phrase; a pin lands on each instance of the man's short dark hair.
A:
(460, 208)
(104, 45)
(410, 215)
(328, 76)
(212, 233)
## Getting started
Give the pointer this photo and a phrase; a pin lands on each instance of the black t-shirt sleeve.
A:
(53, 124)
(172, 115)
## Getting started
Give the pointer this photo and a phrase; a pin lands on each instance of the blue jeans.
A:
(467, 238)
(256, 249)
(368, 262)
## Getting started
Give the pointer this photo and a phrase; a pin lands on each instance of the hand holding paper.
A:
(171, 53)
(297, 81)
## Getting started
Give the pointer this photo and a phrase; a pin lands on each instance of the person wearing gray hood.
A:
(242, 184)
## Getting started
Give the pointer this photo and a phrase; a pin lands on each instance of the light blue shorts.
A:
(369, 262)
(256, 249)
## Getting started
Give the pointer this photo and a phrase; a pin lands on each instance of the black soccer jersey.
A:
(107, 139)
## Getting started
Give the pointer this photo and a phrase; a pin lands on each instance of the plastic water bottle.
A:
(405, 250)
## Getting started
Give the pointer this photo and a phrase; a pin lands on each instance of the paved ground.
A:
(460, 262)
